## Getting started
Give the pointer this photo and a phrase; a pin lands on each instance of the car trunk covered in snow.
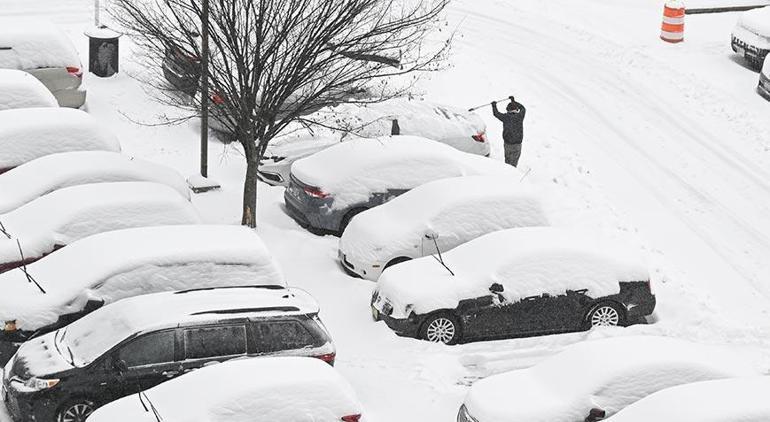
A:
(124, 263)
(20, 90)
(247, 390)
(31, 133)
(56, 171)
(35, 44)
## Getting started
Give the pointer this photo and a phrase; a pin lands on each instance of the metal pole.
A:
(205, 89)
(96, 13)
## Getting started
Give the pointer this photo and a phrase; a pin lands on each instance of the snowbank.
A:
(31, 133)
(124, 263)
(457, 209)
(728, 400)
(56, 171)
(526, 261)
(609, 374)
(246, 390)
(35, 43)
(352, 170)
(72, 213)
(21, 90)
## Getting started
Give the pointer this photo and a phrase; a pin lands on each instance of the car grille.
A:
(387, 308)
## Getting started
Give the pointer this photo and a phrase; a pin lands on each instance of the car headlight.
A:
(39, 384)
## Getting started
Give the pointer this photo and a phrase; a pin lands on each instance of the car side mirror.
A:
(496, 288)
(595, 415)
(121, 366)
(430, 234)
(93, 305)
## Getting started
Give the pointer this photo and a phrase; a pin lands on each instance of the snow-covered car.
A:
(21, 90)
(59, 218)
(133, 344)
(458, 128)
(274, 389)
(56, 171)
(40, 48)
(751, 36)
(515, 282)
(594, 379)
(100, 269)
(764, 80)
(439, 215)
(32, 133)
(330, 187)
(741, 399)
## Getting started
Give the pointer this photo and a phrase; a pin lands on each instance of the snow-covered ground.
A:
(668, 143)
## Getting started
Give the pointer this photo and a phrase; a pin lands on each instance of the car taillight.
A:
(351, 418)
(316, 193)
(328, 358)
(216, 99)
(75, 71)
(481, 137)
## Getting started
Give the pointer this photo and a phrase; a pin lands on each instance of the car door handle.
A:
(169, 374)
(531, 297)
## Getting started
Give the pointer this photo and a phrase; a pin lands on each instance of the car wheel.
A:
(441, 328)
(349, 216)
(75, 411)
(395, 261)
(605, 314)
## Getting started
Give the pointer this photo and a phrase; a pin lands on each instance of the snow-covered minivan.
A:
(751, 36)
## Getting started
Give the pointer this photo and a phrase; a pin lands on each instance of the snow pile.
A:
(72, 213)
(284, 389)
(753, 27)
(352, 171)
(457, 209)
(609, 374)
(21, 90)
(31, 133)
(526, 261)
(56, 171)
(727, 400)
(124, 263)
(36, 43)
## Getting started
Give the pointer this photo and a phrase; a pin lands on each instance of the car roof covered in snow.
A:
(26, 134)
(527, 261)
(35, 43)
(757, 21)
(742, 399)
(352, 170)
(608, 373)
(124, 263)
(20, 90)
(51, 172)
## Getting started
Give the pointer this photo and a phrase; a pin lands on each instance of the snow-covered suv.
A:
(751, 36)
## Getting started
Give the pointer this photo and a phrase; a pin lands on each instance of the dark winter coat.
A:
(513, 123)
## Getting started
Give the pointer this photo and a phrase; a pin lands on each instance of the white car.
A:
(21, 90)
(274, 389)
(728, 400)
(463, 130)
(42, 49)
(55, 220)
(751, 36)
(764, 80)
(439, 215)
(595, 379)
(56, 171)
(106, 267)
(27, 134)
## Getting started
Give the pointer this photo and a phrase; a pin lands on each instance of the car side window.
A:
(210, 342)
(281, 335)
(149, 349)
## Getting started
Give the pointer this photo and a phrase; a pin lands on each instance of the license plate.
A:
(375, 314)
(740, 51)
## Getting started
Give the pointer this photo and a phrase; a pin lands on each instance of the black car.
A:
(137, 343)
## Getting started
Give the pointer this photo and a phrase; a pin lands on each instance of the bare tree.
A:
(274, 62)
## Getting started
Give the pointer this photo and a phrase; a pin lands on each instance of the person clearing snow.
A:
(513, 129)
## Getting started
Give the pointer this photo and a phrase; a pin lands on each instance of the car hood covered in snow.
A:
(526, 261)
(51, 172)
(247, 390)
(753, 27)
(124, 263)
(20, 90)
(608, 374)
(40, 356)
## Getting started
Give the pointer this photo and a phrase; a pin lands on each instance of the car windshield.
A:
(86, 339)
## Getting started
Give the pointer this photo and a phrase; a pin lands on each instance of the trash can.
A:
(103, 51)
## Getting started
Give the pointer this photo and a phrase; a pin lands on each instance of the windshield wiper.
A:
(23, 267)
(152, 406)
(4, 231)
(440, 259)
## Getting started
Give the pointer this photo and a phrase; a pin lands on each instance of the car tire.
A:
(441, 327)
(349, 216)
(395, 261)
(605, 314)
(77, 410)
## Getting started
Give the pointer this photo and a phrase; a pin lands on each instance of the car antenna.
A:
(152, 407)
(440, 259)
(30, 279)
(5, 232)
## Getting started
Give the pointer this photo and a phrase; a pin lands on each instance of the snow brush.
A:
(490, 103)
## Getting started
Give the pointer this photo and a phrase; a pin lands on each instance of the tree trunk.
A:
(249, 217)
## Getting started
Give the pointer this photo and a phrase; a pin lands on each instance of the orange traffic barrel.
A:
(672, 29)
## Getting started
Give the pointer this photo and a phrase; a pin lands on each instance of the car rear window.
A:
(215, 341)
(276, 336)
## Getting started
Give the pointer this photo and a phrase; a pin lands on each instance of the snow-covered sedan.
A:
(329, 188)
(751, 36)
(56, 171)
(595, 379)
(439, 215)
(741, 399)
(27, 134)
(133, 343)
(100, 269)
(275, 389)
(21, 90)
(463, 130)
(764, 80)
(516, 282)
(55, 220)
